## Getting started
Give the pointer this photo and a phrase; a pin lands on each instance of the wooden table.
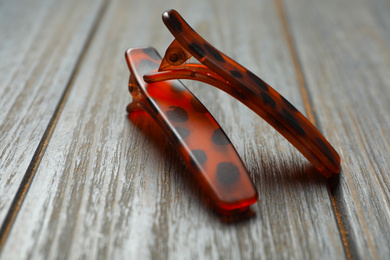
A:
(78, 179)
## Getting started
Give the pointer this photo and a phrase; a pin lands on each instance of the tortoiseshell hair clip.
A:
(200, 141)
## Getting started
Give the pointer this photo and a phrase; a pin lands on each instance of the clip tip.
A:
(169, 11)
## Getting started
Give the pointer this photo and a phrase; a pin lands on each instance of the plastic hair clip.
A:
(201, 142)
(226, 74)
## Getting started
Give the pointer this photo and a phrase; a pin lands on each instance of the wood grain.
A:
(345, 55)
(113, 187)
(39, 48)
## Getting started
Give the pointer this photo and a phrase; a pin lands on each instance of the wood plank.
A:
(110, 187)
(39, 49)
(345, 54)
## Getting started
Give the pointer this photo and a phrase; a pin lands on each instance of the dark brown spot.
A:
(198, 157)
(219, 137)
(268, 100)
(293, 122)
(236, 74)
(227, 173)
(177, 114)
(260, 83)
(197, 50)
(198, 106)
(216, 55)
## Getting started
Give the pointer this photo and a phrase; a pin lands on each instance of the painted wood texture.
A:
(39, 49)
(110, 186)
(345, 58)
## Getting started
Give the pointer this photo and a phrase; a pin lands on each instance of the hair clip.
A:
(201, 142)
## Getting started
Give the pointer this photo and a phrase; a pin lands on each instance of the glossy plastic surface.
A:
(223, 72)
(199, 140)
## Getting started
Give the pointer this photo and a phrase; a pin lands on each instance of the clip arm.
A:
(199, 140)
(223, 72)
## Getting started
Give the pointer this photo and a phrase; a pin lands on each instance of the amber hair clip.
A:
(200, 141)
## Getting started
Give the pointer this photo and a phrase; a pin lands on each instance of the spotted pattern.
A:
(245, 85)
(281, 113)
(219, 137)
(177, 114)
(227, 173)
(202, 144)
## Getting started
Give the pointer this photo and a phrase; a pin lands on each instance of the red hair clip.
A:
(200, 141)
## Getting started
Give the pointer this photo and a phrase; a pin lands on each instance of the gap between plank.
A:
(311, 115)
(40, 151)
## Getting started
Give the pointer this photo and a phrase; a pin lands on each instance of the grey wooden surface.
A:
(79, 179)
